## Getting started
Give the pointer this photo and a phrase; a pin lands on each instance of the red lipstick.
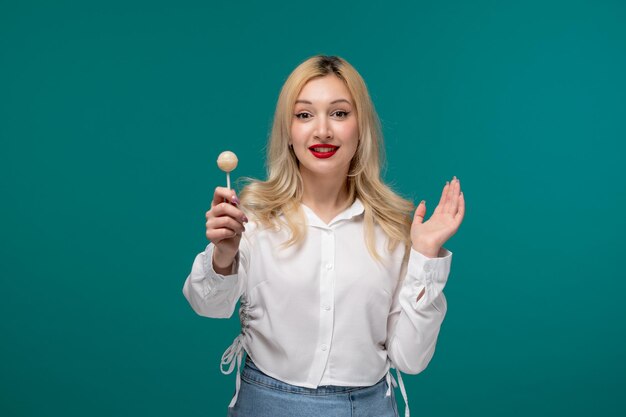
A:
(323, 151)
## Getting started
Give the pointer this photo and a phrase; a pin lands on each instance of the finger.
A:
(453, 204)
(420, 212)
(225, 222)
(461, 212)
(449, 194)
(217, 235)
(220, 228)
(226, 209)
(442, 200)
(222, 194)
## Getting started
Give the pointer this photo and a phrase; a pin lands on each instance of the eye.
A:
(303, 115)
(341, 114)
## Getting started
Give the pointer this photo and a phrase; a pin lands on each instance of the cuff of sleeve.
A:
(428, 274)
(430, 269)
(219, 281)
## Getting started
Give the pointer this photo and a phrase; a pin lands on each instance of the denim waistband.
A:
(253, 374)
(234, 356)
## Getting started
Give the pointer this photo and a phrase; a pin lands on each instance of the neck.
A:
(326, 196)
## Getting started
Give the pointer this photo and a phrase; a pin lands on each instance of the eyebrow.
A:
(332, 102)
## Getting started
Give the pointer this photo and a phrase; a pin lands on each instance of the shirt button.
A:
(326, 308)
(428, 267)
(329, 266)
(324, 347)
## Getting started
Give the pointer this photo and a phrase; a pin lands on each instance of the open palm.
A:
(429, 236)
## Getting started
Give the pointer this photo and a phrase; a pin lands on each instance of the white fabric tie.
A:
(235, 350)
(391, 382)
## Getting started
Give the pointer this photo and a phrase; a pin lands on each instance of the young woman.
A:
(337, 280)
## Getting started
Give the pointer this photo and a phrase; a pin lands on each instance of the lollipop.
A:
(227, 161)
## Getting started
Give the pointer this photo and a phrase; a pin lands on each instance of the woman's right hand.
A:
(224, 226)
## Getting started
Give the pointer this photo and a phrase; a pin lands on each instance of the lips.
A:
(323, 150)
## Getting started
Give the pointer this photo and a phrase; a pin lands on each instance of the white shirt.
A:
(326, 312)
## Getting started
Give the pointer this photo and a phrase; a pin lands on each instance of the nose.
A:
(322, 129)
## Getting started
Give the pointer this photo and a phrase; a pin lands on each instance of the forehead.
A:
(326, 88)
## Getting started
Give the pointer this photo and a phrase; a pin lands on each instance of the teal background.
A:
(112, 115)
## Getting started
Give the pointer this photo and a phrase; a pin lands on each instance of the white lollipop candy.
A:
(227, 162)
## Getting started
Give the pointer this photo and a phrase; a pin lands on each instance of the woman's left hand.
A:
(429, 236)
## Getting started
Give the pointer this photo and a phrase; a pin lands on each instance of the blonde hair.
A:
(282, 192)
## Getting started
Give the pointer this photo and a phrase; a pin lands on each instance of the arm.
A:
(418, 309)
(211, 294)
(419, 305)
(218, 275)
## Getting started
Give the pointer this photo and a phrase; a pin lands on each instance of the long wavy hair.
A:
(282, 192)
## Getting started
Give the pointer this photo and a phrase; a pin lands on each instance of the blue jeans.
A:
(263, 396)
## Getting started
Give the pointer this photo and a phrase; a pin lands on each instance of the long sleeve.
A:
(413, 325)
(211, 294)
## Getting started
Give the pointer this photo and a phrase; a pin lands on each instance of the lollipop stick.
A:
(228, 180)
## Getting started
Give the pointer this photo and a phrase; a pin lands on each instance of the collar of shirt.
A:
(313, 220)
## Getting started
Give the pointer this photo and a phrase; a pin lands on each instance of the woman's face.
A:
(324, 128)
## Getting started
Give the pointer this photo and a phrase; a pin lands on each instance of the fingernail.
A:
(235, 200)
(422, 202)
(244, 219)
